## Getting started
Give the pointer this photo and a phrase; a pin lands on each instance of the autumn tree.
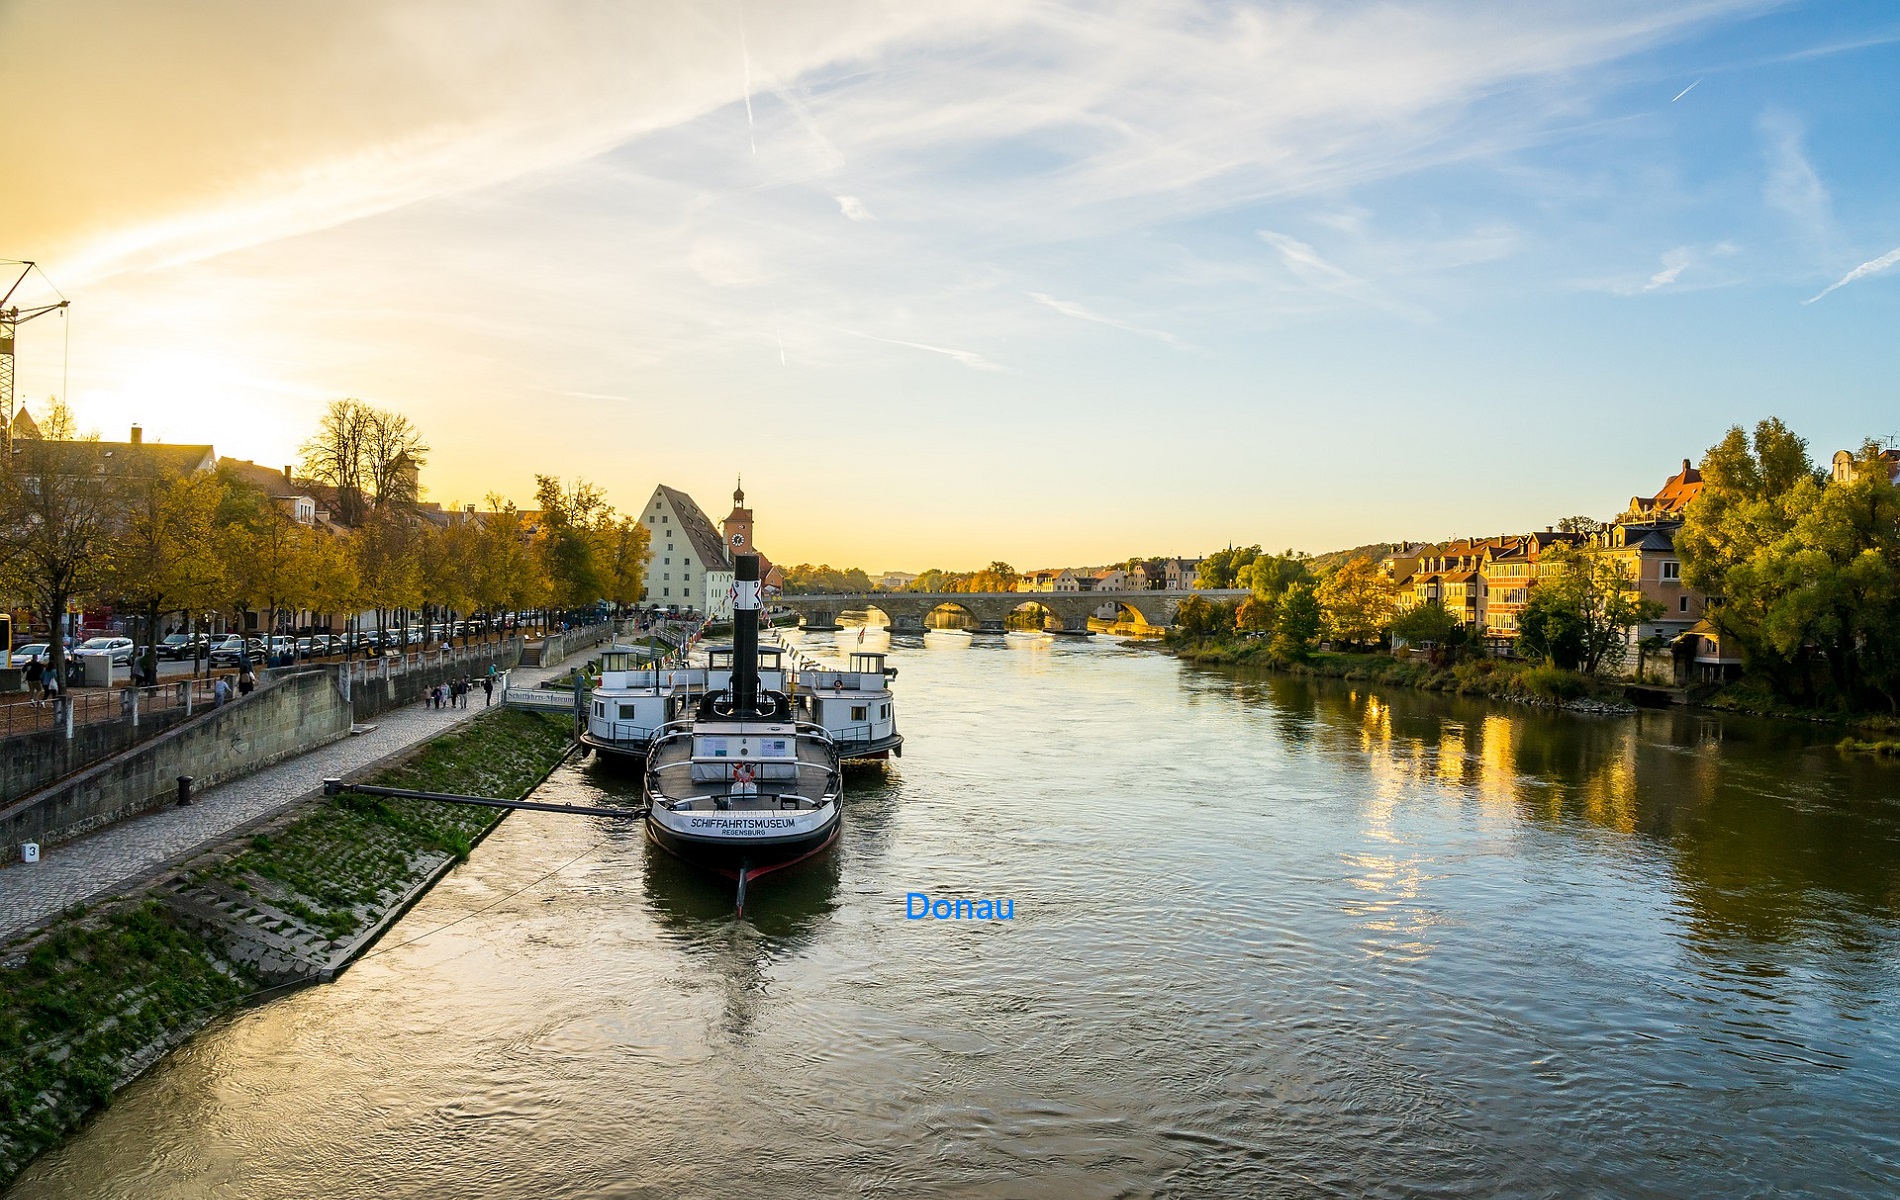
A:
(1355, 602)
(570, 553)
(168, 554)
(623, 552)
(59, 511)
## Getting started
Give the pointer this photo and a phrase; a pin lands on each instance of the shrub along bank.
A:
(93, 1000)
(1495, 678)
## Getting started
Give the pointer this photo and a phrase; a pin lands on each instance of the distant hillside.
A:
(1334, 558)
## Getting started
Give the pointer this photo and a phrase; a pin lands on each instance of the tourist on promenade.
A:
(488, 688)
(247, 683)
(221, 692)
(35, 672)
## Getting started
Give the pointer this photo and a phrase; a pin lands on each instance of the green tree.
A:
(1222, 568)
(1296, 624)
(1197, 617)
(1585, 609)
(1428, 622)
(1735, 547)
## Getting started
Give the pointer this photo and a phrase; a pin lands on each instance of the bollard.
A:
(29, 852)
(184, 790)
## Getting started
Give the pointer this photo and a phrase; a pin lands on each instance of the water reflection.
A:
(1770, 833)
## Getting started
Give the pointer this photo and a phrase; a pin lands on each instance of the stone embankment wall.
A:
(286, 716)
(291, 713)
(33, 760)
(95, 999)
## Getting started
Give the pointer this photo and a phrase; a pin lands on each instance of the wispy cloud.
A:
(1793, 186)
(968, 358)
(1675, 264)
(853, 208)
(1069, 308)
(1309, 267)
(1872, 267)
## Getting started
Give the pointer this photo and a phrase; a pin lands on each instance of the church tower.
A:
(738, 524)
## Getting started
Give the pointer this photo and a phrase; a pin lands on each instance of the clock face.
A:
(738, 539)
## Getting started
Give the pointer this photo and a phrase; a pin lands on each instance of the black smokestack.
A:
(745, 634)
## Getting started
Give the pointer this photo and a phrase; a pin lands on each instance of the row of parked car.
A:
(230, 649)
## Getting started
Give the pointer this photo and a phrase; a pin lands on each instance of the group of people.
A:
(454, 693)
(42, 682)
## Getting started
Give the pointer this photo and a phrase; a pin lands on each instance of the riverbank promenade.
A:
(124, 854)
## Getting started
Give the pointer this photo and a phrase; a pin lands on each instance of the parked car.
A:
(177, 646)
(226, 650)
(22, 655)
(118, 649)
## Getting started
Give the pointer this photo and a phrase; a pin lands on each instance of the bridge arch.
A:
(951, 615)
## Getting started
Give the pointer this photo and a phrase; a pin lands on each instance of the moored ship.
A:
(743, 786)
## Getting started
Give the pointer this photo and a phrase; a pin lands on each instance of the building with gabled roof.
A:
(687, 564)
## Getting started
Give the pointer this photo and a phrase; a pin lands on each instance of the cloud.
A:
(1793, 186)
(1069, 308)
(853, 208)
(1306, 265)
(1871, 267)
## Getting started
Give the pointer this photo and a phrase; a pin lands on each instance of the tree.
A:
(570, 555)
(1428, 622)
(999, 576)
(168, 553)
(1582, 525)
(624, 553)
(1734, 547)
(59, 510)
(1221, 568)
(1355, 602)
(1550, 627)
(370, 457)
(334, 455)
(276, 569)
(1198, 617)
(1296, 625)
(508, 575)
(1268, 575)
(1583, 610)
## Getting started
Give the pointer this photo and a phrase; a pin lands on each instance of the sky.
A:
(1057, 283)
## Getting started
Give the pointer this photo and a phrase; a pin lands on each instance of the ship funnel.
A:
(745, 634)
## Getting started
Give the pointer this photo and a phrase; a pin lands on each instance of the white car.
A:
(22, 655)
(117, 648)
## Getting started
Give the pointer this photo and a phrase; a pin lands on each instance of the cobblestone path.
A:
(118, 855)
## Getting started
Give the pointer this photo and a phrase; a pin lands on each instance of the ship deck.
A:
(781, 785)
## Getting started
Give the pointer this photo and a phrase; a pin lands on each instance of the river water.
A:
(1271, 937)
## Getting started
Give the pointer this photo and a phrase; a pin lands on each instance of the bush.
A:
(1551, 683)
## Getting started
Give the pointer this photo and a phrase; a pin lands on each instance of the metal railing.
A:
(82, 707)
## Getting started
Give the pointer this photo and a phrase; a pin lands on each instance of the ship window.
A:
(858, 712)
(627, 712)
(883, 711)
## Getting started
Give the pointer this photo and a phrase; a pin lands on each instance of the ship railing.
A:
(621, 731)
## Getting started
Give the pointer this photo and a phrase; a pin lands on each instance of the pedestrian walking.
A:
(488, 690)
(247, 683)
(35, 673)
(221, 692)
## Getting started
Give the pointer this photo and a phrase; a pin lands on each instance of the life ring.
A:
(838, 684)
(742, 773)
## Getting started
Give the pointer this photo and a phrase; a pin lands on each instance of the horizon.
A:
(1052, 285)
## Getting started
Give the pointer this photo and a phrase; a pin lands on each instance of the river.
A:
(1270, 937)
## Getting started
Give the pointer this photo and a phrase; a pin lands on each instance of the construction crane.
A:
(10, 318)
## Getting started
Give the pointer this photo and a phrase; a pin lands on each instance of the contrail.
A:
(1865, 269)
(745, 57)
(1685, 91)
(780, 338)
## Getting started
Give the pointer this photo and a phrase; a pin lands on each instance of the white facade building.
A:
(687, 562)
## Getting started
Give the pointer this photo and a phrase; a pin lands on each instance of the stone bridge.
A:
(907, 610)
